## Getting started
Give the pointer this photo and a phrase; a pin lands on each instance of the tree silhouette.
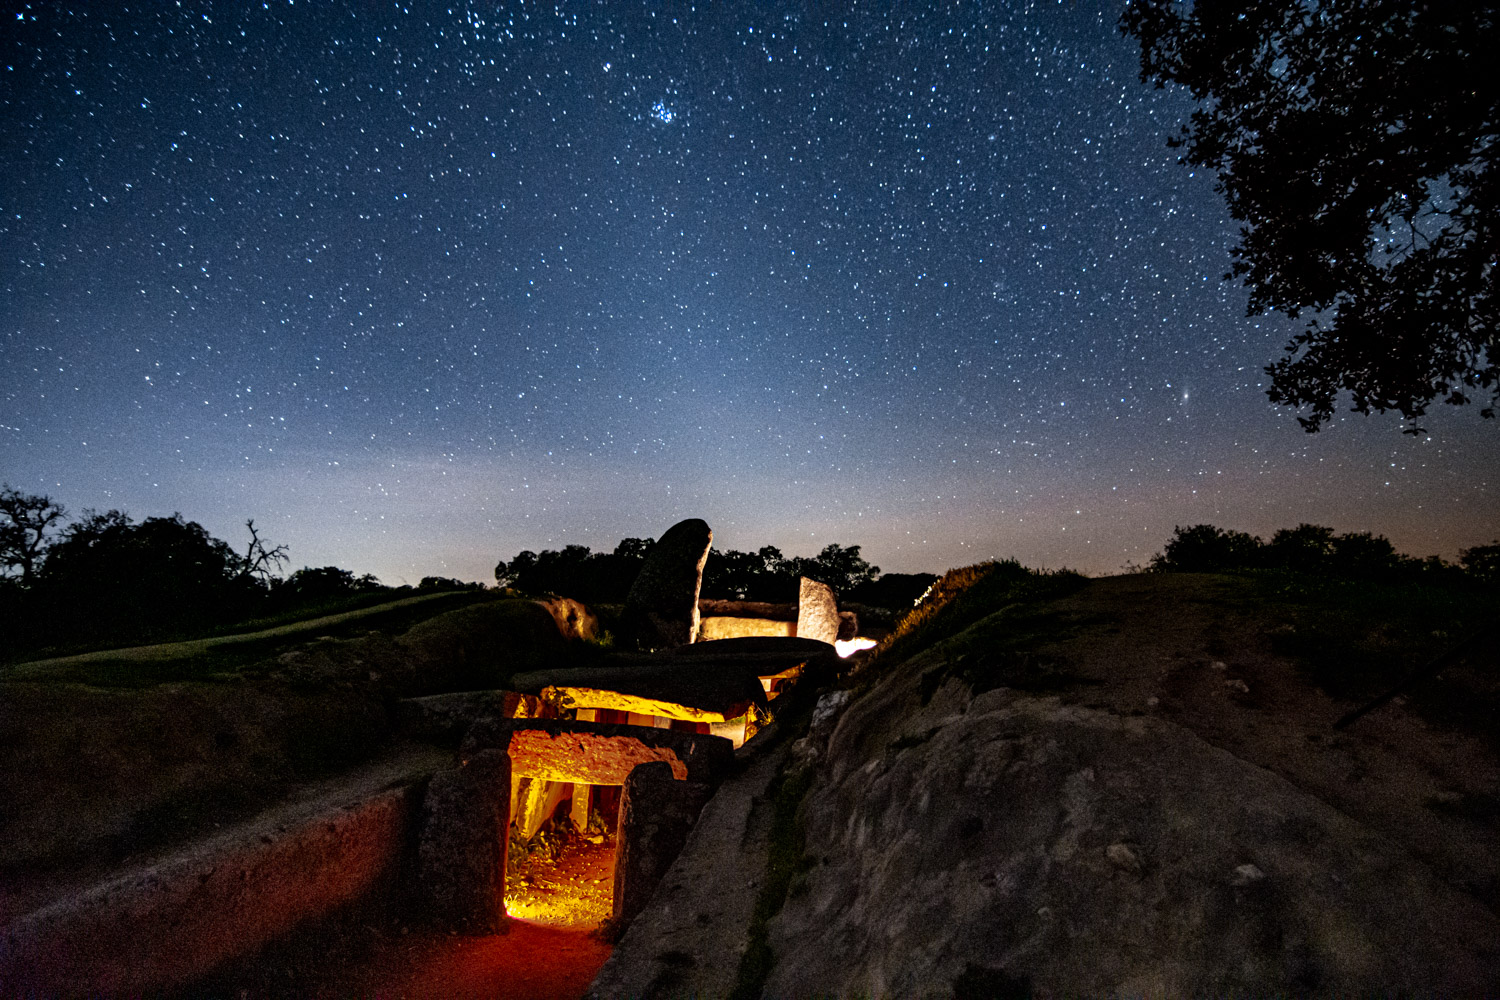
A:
(25, 523)
(1356, 142)
(259, 561)
(107, 575)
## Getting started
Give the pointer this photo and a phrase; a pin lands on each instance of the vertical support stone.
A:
(656, 814)
(579, 814)
(661, 609)
(461, 856)
(817, 611)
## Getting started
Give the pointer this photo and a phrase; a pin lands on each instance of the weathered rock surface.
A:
(462, 853)
(657, 812)
(979, 845)
(689, 939)
(661, 609)
(817, 611)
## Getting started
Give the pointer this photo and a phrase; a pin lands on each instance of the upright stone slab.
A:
(461, 857)
(661, 609)
(817, 611)
(656, 814)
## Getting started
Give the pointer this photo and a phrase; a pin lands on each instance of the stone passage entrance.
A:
(665, 776)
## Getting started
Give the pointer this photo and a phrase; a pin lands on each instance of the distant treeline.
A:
(1312, 548)
(106, 578)
(730, 575)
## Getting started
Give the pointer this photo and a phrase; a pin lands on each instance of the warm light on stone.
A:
(595, 698)
(589, 758)
(729, 627)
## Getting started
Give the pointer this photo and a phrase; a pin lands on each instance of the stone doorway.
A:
(664, 776)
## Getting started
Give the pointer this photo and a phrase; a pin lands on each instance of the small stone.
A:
(1247, 875)
(1235, 684)
(1153, 701)
(1219, 665)
(1123, 857)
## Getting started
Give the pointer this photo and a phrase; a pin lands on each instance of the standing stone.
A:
(817, 612)
(461, 857)
(657, 812)
(661, 609)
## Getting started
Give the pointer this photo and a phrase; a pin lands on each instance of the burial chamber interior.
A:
(576, 811)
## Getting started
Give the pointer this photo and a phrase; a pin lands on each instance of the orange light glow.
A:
(848, 647)
(576, 891)
(595, 698)
(590, 758)
(775, 684)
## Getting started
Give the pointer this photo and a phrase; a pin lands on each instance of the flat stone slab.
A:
(717, 688)
(709, 608)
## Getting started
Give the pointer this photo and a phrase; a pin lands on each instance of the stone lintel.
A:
(552, 746)
(589, 758)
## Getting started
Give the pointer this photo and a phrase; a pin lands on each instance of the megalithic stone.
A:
(657, 812)
(461, 856)
(817, 611)
(661, 609)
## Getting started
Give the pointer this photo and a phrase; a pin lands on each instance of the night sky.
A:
(417, 287)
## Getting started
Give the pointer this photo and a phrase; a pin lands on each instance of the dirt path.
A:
(548, 953)
(532, 962)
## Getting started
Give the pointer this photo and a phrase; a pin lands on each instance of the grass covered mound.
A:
(999, 624)
(963, 596)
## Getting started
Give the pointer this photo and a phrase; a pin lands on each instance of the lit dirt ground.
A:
(574, 893)
(548, 953)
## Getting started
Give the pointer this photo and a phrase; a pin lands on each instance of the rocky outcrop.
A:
(1004, 843)
(661, 609)
(1123, 790)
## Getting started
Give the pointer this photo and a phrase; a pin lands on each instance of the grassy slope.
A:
(200, 658)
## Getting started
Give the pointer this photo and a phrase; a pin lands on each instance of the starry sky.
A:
(419, 286)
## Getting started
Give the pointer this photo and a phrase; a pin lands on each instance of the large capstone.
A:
(661, 609)
(817, 611)
(461, 856)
